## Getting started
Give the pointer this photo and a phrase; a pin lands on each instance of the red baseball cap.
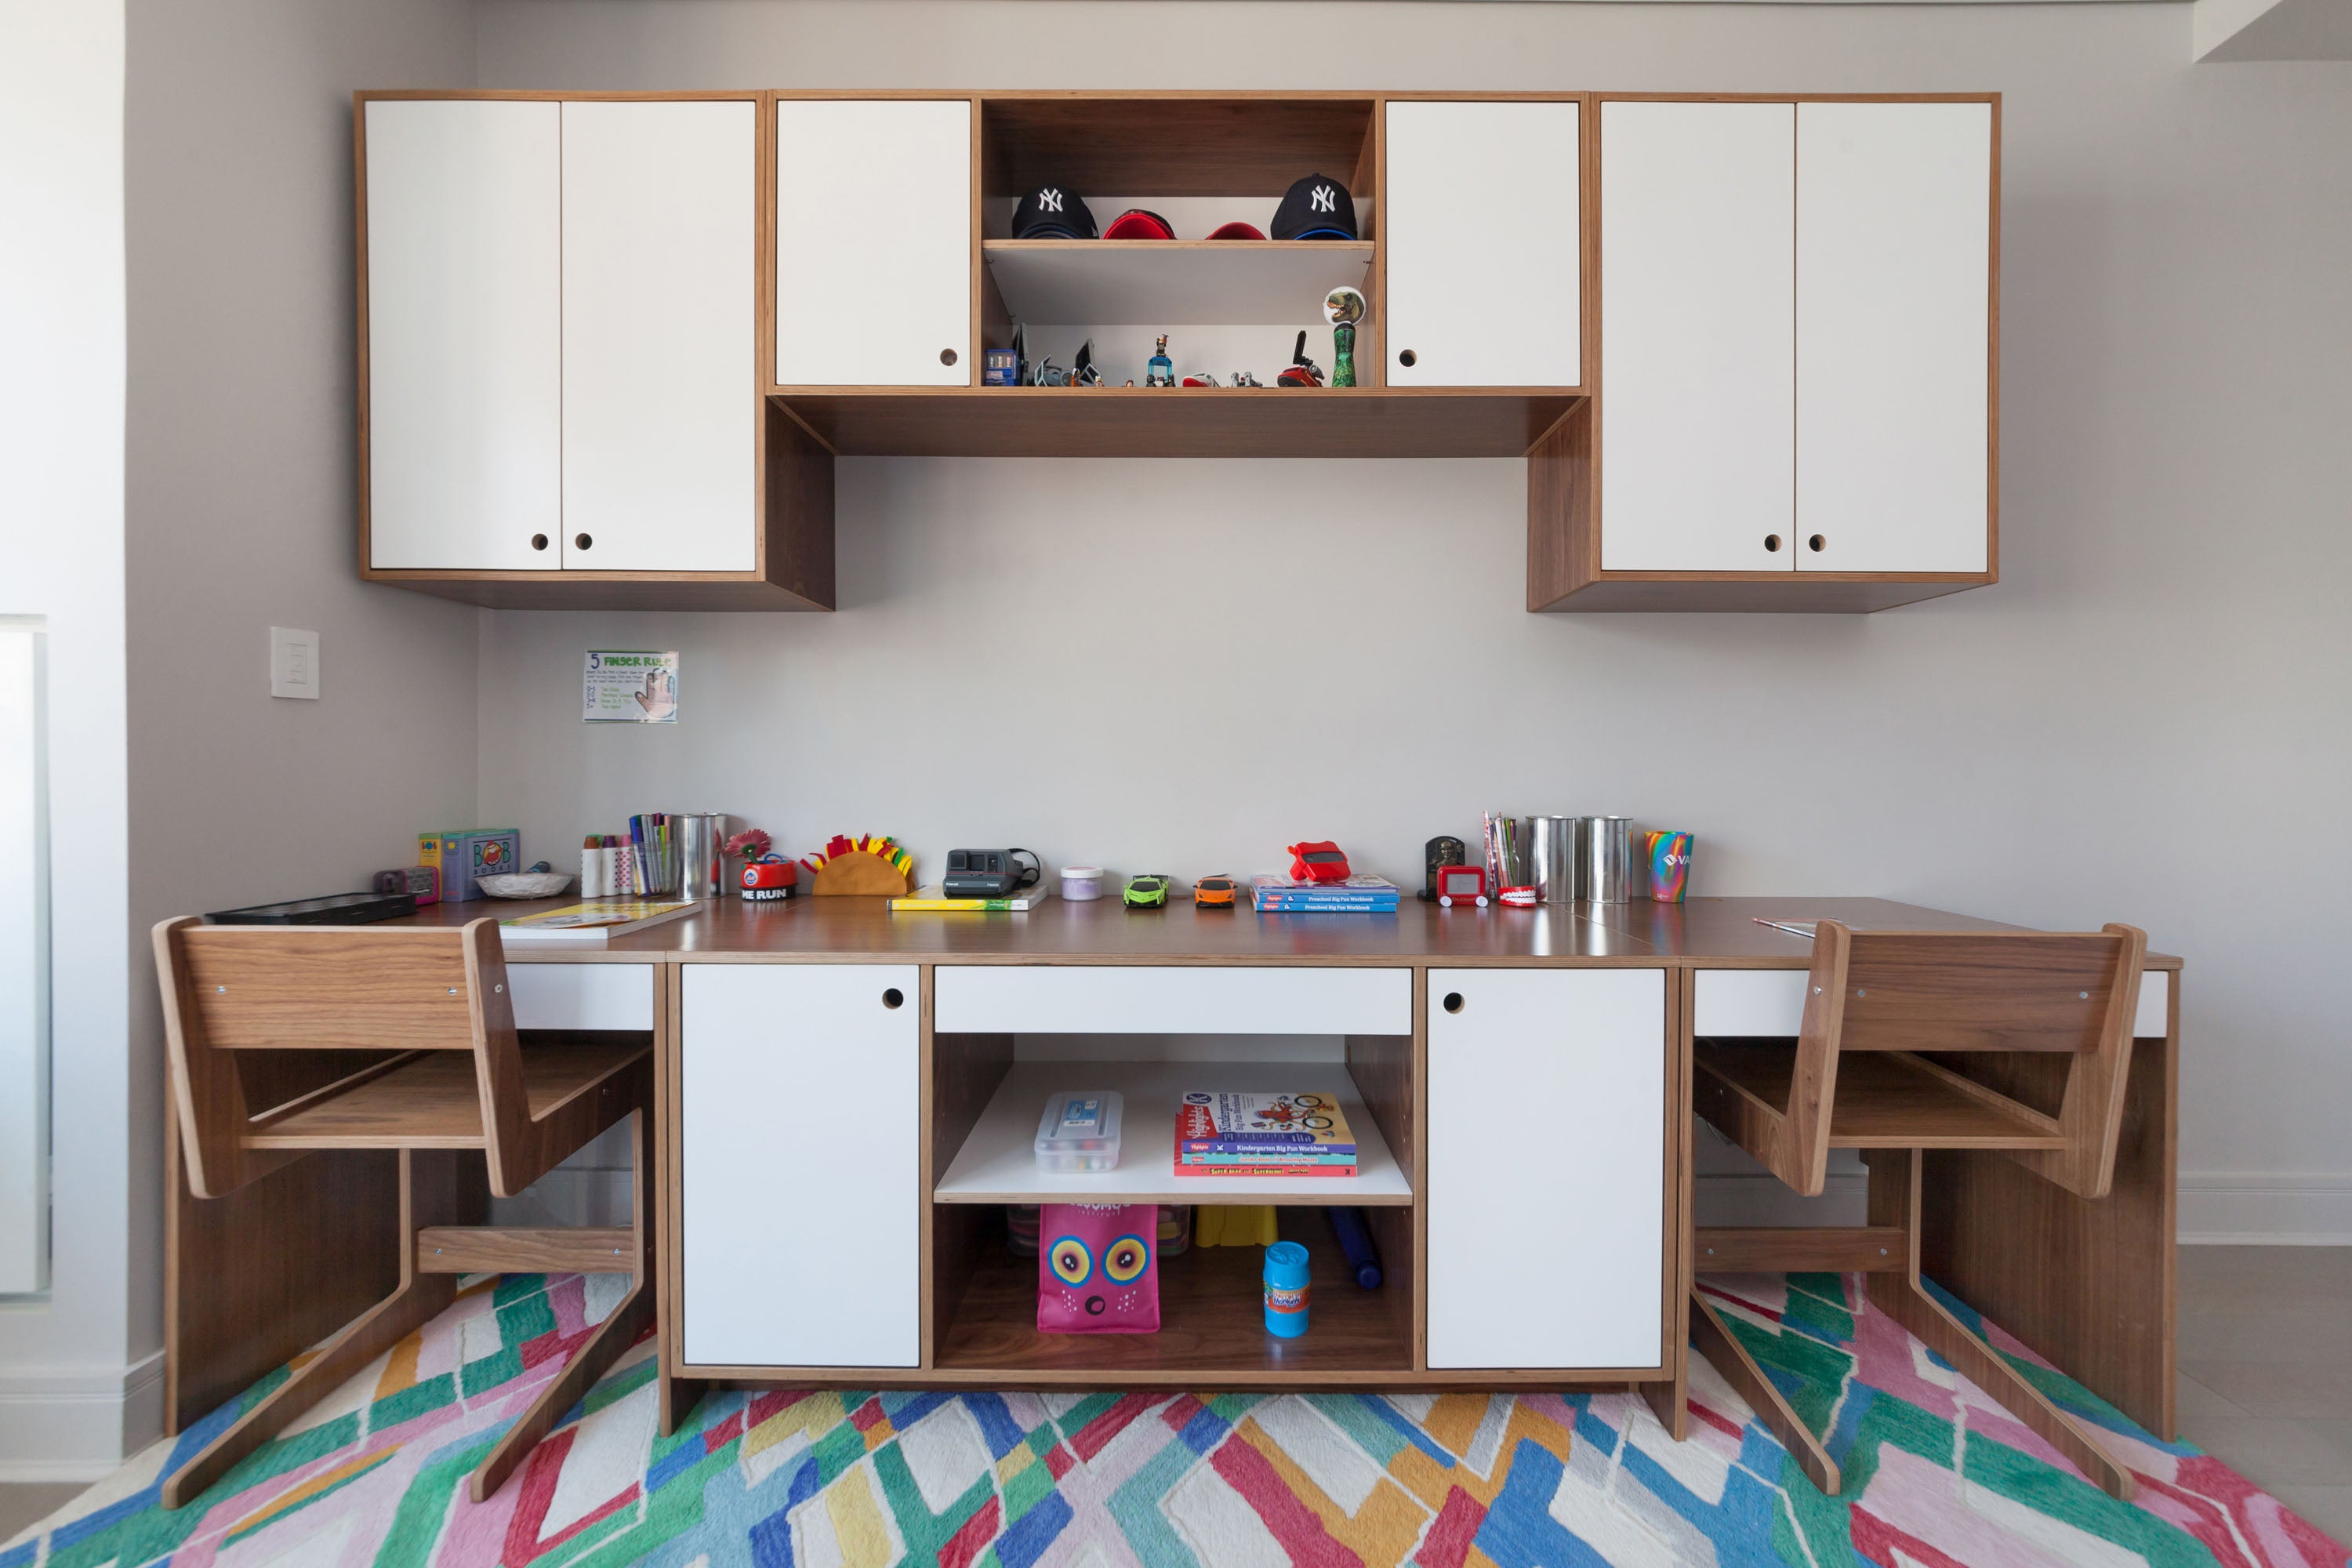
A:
(1136, 224)
(1238, 231)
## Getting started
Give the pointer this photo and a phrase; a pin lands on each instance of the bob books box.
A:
(463, 854)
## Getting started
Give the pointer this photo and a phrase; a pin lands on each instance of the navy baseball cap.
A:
(1052, 211)
(1316, 207)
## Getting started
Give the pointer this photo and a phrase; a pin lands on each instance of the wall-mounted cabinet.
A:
(612, 344)
(1797, 337)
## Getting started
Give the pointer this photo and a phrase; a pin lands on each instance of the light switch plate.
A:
(293, 663)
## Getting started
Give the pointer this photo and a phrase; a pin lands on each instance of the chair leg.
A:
(428, 1195)
(614, 1336)
(1895, 1191)
(1730, 1357)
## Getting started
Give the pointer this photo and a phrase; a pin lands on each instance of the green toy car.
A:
(1147, 892)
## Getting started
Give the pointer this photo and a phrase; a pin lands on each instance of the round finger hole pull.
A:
(1407, 357)
(1816, 542)
(1772, 542)
(947, 357)
(538, 541)
(582, 541)
(1453, 1001)
(894, 997)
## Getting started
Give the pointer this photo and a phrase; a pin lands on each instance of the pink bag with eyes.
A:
(1099, 1268)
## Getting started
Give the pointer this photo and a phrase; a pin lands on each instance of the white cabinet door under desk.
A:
(800, 1189)
(1137, 999)
(1546, 1168)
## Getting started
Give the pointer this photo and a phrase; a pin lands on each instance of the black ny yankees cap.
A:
(1315, 207)
(1052, 211)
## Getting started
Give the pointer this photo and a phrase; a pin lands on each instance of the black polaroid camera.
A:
(988, 873)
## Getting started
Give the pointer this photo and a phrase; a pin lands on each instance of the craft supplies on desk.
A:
(936, 897)
(596, 922)
(653, 852)
(462, 854)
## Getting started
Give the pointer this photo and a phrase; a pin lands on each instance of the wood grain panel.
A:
(1563, 485)
(1382, 1066)
(1882, 1101)
(1158, 144)
(541, 1249)
(1818, 1249)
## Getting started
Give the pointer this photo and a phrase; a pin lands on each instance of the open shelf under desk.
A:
(998, 1162)
(1176, 422)
(1212, 1321)
(433, 1100)
(1885, 1100)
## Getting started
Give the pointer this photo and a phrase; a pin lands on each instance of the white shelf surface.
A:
(1174, 282)
(998, 1163)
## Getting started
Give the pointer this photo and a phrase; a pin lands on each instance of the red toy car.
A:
(1319, 862)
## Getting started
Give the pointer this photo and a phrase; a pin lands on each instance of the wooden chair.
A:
(283, 1040)
(2040, 1024)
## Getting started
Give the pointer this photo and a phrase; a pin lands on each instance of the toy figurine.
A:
(1301, 371)
(1343, 307)
(1161, 372)
(1244, 378)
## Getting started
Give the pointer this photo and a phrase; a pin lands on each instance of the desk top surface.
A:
(1713, 932)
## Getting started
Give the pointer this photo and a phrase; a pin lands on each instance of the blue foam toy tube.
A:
(1356, 1241)
(1286, 1289)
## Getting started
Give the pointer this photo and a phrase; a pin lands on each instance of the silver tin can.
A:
(703, 871)
(1608, 859)
(1552, 847)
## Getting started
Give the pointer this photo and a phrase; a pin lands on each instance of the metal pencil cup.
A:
(1608, 859)
(1552, 847)
(702, 872)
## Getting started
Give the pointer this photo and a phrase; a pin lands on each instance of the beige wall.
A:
(2146, 721)
(241, 487)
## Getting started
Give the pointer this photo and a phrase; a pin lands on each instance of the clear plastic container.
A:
(1079, 1132)
(1080, 883)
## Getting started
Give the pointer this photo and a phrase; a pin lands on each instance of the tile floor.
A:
(2266, 1370)
(2265, 1378)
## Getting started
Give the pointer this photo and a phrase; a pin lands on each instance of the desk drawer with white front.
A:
(582, 995)
(1114, 999)
(1771, 1003)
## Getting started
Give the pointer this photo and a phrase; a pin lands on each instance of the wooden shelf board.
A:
(998, 1162)
(434, 1101)
(1170, 144)
(1212, 1321)
(600, 590)
(1175, 422)
(1176, 283)
(1883, 1101)
(1786, 592)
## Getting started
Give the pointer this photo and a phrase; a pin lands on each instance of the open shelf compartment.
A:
(1886, 1100)
(1212, 1320)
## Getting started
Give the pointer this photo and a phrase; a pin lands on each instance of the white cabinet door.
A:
(660, 325)
(463, 334)
(1485, 276)
(1893, 307)
(1698, 432)
(801, 1211)
(874, 242)
(1546, 1168)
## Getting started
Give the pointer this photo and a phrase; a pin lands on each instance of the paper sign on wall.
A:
(629, 686)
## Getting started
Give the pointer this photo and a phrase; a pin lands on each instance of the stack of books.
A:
(1362, 895)
(1227, 1134)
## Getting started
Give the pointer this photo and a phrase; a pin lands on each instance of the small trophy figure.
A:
(1161, 372)
(1343, 307)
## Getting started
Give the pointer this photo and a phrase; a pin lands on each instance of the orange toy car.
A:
(1213, 893)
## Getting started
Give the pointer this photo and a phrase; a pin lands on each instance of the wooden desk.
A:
(2089, 1285)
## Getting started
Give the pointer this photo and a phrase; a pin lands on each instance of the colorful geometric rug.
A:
(1938, 1475)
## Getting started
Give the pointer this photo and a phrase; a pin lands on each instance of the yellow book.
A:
(599, 920)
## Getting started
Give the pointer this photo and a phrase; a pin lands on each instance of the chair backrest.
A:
(2067, 992)
(1985, 991)
(258, 1016)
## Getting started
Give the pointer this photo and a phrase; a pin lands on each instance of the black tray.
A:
(334, 909)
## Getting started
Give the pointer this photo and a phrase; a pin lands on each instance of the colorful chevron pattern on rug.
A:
(1938, 1476)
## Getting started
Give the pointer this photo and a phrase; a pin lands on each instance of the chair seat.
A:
(433, 1102)
(1885, 1100)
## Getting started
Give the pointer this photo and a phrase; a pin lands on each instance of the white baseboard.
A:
(2266, 1208)
(67, 1424)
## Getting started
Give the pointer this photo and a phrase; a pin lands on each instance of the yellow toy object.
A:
(1234, 1224)
(871, 864)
